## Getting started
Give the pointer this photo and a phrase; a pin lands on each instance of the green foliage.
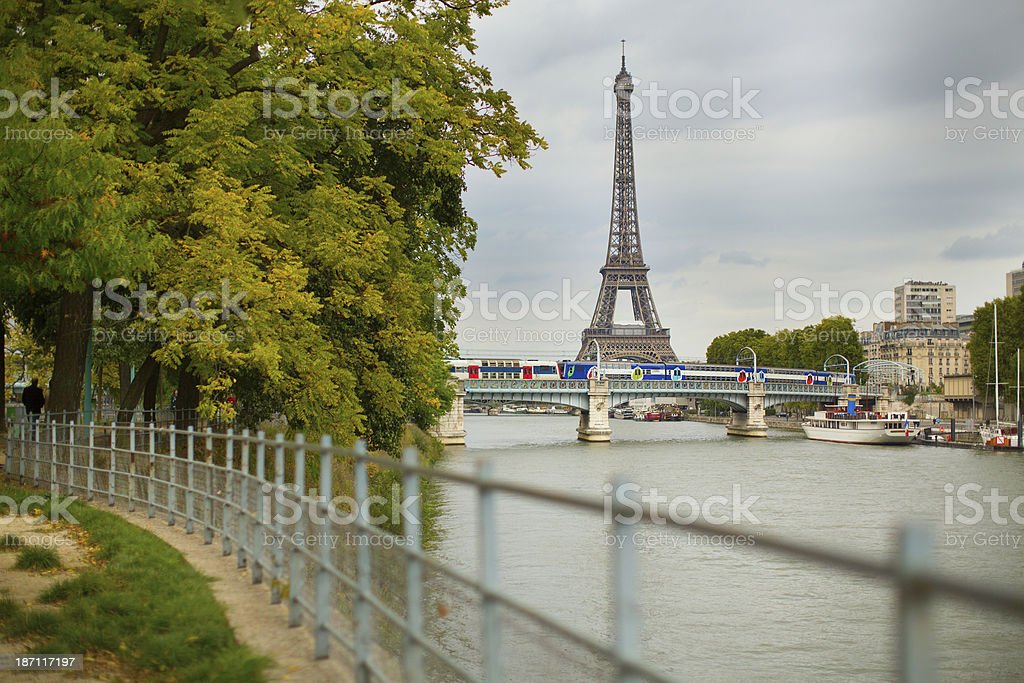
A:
(341, 230)
(909, 393)
(176, 633)
(1011, 338)
(807, 348)
(36, 558)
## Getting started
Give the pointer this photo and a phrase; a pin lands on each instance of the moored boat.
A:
(861, 427)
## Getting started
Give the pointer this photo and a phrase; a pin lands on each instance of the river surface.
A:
(716, 613)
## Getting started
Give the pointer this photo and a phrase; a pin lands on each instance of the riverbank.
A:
(792, 425)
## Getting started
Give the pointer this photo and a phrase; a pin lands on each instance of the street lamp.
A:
(849, 378)
(598, 347)
(754, 354)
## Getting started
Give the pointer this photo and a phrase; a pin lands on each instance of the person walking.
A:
(33, 400)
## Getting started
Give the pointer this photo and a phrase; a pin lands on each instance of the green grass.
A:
(9, 541)
(144, 603)
(36, 558)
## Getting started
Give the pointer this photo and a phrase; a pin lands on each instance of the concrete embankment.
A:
(773, 422)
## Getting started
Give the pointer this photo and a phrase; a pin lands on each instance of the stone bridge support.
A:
(750, 423)
(594, 425)
(451, 428)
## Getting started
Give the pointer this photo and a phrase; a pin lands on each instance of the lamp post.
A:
(849, 377)
(598, 347)
(754, 354)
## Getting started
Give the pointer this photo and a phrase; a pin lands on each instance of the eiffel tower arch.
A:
(624, 268)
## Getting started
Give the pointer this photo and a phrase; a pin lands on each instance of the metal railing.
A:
(239, 486)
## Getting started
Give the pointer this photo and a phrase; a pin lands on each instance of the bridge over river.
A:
(594, 397)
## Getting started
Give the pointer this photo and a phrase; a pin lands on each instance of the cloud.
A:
(741, 258)
(994, 245)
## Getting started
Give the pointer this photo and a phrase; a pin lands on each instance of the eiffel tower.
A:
(624, 268)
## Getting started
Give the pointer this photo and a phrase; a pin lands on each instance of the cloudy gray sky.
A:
(847, 179)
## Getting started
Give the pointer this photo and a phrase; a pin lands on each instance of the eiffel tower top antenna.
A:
(623, 54)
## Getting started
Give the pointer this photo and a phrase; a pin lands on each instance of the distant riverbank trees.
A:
(303, 164)
(808, 347)
(1011, 338)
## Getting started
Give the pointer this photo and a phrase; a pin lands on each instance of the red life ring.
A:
(810, 378)
(742, 376)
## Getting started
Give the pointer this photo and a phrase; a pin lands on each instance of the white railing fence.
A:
(327, 562)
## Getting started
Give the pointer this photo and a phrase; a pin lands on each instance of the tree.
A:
(724, 348)
(204, 150)
(1011, 338)
(807, 348)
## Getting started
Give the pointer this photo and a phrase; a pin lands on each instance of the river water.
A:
(720, 613)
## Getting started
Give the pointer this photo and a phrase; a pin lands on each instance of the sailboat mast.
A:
(995, 342)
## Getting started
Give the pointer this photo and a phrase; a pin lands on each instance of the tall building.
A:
(1015, 281)
(925, 302)
(937, 351)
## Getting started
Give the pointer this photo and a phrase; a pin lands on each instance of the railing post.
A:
(489, 573)
(172, 474)
(275, 522)
(208, 498)
(227, 514)
(89, 483)
(915, 551)
(296, 565)
(38, 439)
(364, 569)
(190, 474)
(321, 633)
(24, 448)
(53, 459)
(151, 484)
(627, 611)
(131, 466)
(71, 457)
(258, 535)
(243, 501)
(112, 472)
(412, 652)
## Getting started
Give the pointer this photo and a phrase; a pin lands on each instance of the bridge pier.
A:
(451, 428)
(594, 426)
(752, 422)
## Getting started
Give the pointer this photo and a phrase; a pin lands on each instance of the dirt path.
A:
(256, 623)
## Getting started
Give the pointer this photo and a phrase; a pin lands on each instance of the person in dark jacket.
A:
(33, 400)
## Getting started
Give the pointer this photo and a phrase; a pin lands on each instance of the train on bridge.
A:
(541, 370)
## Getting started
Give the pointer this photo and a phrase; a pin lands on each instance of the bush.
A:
(35, 558)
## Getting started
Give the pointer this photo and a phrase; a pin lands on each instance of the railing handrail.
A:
(914, 578)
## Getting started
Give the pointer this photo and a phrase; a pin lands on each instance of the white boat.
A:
(882, 429)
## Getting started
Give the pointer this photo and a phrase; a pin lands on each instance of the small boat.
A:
(1000, 435)
(861, 427)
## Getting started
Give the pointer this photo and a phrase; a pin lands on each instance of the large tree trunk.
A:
(3, 369)
(73, 330)
(188, 398)
(124, 380)
(130, 397)
(149, 397)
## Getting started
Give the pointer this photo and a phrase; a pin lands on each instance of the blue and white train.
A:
(539, 370)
